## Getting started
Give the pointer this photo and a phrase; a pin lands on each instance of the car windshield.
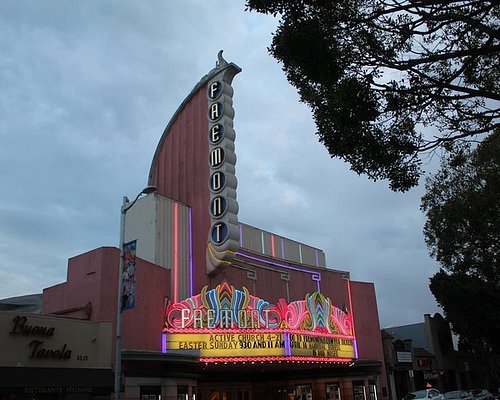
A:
(456, 394)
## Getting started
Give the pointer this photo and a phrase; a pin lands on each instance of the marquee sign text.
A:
(230, 324)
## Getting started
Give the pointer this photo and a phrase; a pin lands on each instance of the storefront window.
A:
(304, 392)
(182, 392)
(358, 388)
(150, 392)
(333, 391)
(372, 390)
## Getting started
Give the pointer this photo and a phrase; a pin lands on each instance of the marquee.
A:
(226, 324)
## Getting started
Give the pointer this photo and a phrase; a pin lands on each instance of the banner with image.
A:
(128, 277)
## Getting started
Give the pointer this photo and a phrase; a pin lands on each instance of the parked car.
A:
(424, 394)
(458, 395)
(481, 394)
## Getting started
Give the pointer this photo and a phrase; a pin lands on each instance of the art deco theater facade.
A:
(213, 308)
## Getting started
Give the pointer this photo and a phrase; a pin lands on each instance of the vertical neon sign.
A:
(224, 234)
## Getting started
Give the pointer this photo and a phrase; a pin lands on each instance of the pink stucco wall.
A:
(90, 292)
(367, 324)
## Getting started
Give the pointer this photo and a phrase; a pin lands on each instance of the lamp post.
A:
(126, 205)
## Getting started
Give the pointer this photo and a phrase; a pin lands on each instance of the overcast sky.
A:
(86, 90)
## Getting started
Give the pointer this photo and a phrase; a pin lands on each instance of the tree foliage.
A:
(462, 206)
(380, 74)
(462, 231)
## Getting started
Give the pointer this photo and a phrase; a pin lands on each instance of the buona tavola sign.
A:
(223, 238)
(228, 324)
(32, 340)
(37, 346)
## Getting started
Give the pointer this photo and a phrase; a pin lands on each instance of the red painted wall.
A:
(180, 170)
(367, 325)
(93, 276)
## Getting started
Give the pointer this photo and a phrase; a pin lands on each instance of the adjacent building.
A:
(422, 355)
(44, 357)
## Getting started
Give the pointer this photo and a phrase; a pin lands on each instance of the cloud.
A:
(87, 90)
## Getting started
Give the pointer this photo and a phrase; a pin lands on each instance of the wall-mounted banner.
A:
(128, 294)
(228, 324)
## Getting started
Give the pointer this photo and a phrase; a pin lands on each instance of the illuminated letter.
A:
(226, 317)
(242, 319)
(184, 317)
(218, 206)
(215, 111)
(216, 157)
(214, 90)
(266, 312)
(216, 133)
(210, 318)
(219, 232)
(217, 181)
(197, 319)
(255, 317)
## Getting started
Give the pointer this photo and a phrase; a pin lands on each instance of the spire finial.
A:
(220, 60)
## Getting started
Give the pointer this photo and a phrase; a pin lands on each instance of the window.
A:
(150, 392)
(304, 392)
(182, 392)
(358, 389)
(333, 391)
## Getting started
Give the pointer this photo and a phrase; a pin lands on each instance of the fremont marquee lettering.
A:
(218, 206)
(223, 234)
(217, 181)
(229, 323)
(219, 232)
(245, 319)
(215, 90)
(216, 134)
(216, 157)
(215, 111)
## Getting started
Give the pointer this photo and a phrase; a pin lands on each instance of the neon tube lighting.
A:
(293, 359)
(163, 342)
(355, 342)
(286, 332)
(176, 252)
(315, 274)
(191, 266)
(288, 350)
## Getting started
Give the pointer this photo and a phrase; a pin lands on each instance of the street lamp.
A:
(126, 205)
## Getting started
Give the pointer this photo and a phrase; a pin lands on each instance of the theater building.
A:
(214, 308)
